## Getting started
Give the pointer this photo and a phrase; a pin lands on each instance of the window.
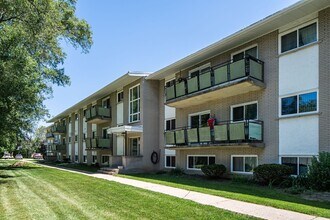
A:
(134, 104)
(70, 139)
(247, 111)
(244, 163)
(76, 158)
(170, 124)
(76, 117)
(85, 112)
(196, 162)
(247, 52)
(199, 119)
(170, 83)
(69, 119)
(120, 96)
(299, 164)
(170, 161)
(85, 158)
(94, 159)
(300, 103)
(134, 147)
(199, 70)
(105, 134)
(105, 159)
(84, 136)
(93, 134)
(76, 138)
(298, 38)
(63, 141)
(106, 103)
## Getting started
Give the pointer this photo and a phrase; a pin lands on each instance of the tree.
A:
(31, 59)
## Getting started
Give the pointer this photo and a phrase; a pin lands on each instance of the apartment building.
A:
(115, 126)
(266, 86)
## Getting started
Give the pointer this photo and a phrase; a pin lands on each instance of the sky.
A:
(147, 35)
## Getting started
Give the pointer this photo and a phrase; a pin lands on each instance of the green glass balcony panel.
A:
(94, 143)
(192, 135)
(60, 147)
(88, 143)
(88, 113)
(180, 137)
(170, 137)
(220, 75)
(204, 134)
(180, 89)
(104, 143)
(192, 84)
(255, 131)
(220, 132)
(170, 94)
(236, 131)
(237, 69)
(93, 112)
(255, 69)
(205, 80)
(104, 112)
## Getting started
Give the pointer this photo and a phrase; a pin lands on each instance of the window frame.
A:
(131, 145)
(244, 50)
(296, 29)
(197, 113)
(199, 68)
(244, 105)
(208, 160)
(297, 95)
(122, 96)
(298, 160)
(131, 101)
(244, 156)
(171, 167)
(171, 124)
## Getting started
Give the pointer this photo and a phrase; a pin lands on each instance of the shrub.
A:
(319, 172)
(272, 174)
(242, 178)
(214, 170)
(176, 172)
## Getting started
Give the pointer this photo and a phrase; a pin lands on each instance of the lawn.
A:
(72, 166)
(248, 192)
(30, 191)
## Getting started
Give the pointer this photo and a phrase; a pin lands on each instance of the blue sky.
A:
(147, 35)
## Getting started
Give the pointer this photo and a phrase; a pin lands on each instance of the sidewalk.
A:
(245, 208)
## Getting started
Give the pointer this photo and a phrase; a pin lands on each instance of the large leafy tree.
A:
(31, 59)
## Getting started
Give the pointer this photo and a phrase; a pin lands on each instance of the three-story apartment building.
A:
(258, 96)
(115, 126)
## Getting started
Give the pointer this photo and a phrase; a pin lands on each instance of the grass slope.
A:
(34, 192)
(247, 192)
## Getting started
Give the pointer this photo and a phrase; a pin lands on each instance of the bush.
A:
(242, 178)
(214, 170)
(176, 172)
(271, 174)
(319, 172)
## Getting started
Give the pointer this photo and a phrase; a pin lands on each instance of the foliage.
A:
(176, 172)
(319, 172)
(214, 170)
(31, 59)
(271, 174)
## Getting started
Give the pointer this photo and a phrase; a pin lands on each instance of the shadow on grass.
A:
(212, 186)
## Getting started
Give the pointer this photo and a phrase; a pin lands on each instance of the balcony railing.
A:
(98, 143)
(60, 147)
(58, 129)
(250, 131)
(49, 135)
(217, 75)
(98, 112)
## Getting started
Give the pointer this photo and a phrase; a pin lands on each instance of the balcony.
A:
(221, 81)
(58, 129)
(60, 147)
(98, 115)
(98, 143)
(243, 133)
(49, 135)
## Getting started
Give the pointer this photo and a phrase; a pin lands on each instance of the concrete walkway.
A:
(245, 208)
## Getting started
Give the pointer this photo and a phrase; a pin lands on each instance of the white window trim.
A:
(197, 113)
(297, 94)
(129, 103)
(168, 155)
(198, 156)
(245, 49)
(298, 158)
(243, 104)
(245, 155)
(120, 91)
(296, 29)
(199, 68)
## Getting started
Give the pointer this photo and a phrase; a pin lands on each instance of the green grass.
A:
(75, 166)
(248, 192)
(35, 192)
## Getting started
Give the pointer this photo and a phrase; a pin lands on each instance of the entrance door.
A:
(120, 145)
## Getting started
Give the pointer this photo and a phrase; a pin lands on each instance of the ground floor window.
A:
(243, 163)
(105, 159)
(85, 159)
(170, 161)
(134, 147)
(76, 158)
(298, 164)
(196, 162)
(94, 159)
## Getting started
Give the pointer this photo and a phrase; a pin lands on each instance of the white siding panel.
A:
(299, 136)
(169, 112)
(120, 113)
(299, 71)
